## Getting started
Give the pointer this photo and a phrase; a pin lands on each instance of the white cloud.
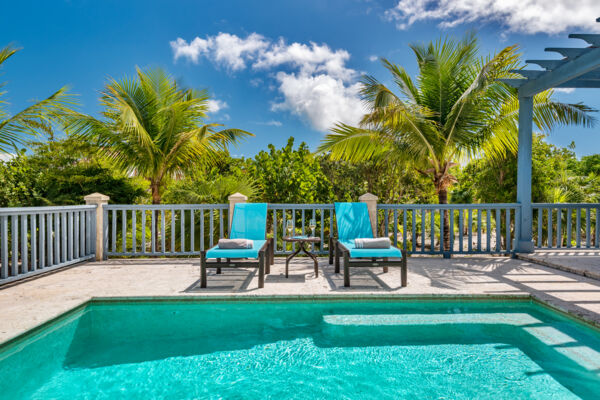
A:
(269, 123)
(214, 105)
(522, 16)
(256, 82)
(192, 51)
(322, 99)
(313, 79)
(233, 50)
(565, 90)
(373, 58)
(309, 59)
(224, 48)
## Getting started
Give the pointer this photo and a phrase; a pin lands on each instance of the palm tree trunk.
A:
(443, 199)
(154, 187)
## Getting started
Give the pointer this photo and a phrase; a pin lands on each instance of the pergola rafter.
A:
(579, 68)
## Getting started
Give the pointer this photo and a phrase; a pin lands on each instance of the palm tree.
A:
(35, 118)
(154, 128)
(214, 190)
(456, 109)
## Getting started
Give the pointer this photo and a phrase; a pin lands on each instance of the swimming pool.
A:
(305, 349)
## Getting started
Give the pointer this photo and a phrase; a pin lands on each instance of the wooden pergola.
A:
(579, 68)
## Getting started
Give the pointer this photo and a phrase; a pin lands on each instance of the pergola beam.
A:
(528, 73)
(591, 38)
(569, 52)
(576, 83)
(547, 64)
(564, 73)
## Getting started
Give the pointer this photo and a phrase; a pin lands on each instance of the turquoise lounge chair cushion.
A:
(249, 221)
(352, 221)
(215, 252)
(392, 252)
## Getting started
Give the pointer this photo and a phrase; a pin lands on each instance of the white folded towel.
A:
(372, 243)
(235, 244)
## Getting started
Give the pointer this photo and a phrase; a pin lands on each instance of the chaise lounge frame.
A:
(242, 226)
(266, 258)
(337, 249)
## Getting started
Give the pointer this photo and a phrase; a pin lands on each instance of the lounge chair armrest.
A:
(342, 247)
(265, 245)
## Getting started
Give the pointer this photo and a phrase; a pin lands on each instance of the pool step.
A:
(515, 319)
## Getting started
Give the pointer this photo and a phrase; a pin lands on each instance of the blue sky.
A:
(275, 68)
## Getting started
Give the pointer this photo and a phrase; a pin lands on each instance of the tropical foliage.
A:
(557, 177)
(449, 134)
(62, 172)
(38, 117)
(455, 110)
(153, 128)
(290, 176)
(214, 184)
(293, 174)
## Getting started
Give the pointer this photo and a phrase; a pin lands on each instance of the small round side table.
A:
(302, 243)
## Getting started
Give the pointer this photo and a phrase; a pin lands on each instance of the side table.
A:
(302, 241)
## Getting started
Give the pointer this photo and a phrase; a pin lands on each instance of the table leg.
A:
(314, 258)
(288, 258)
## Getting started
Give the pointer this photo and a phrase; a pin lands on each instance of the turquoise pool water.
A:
(305, 350)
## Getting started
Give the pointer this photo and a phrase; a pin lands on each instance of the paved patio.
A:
(27, 304)
(579, 261)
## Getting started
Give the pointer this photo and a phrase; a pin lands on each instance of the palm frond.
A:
(6, 52)
(35, 118)
(353, 144)
(152, 126)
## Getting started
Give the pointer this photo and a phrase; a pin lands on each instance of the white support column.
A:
(233, 200)
(371, 201)
(524, 241)
(99, 200)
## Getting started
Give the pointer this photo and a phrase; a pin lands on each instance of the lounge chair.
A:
(249, 222)
(353, 222)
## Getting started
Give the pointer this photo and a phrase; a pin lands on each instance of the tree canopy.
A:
(154, 128)
(38, 117)
(454, 110)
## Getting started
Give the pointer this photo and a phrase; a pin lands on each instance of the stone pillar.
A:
(233, 200)
(371, 201)
(524, 243)
(99, 200)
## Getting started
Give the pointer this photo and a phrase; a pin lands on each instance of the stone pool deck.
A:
(27, 304)
(584, 262)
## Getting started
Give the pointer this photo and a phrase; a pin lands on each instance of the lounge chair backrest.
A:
(249, 221)
(353, 221)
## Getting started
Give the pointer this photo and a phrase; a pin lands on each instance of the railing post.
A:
(233, 200)
(99, 200)
(524, 243)
(371, 201)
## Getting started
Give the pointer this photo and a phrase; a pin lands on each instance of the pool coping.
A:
(15, 340)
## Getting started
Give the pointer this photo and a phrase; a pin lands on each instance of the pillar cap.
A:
(368, 196)
(96, 198)
(237, 196)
